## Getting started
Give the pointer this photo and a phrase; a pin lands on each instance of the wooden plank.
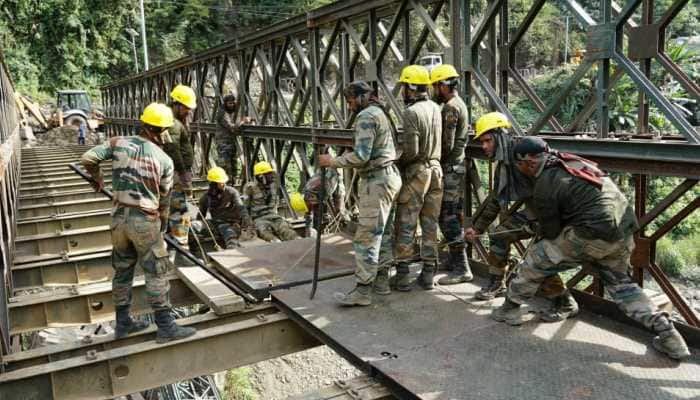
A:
(210, 290)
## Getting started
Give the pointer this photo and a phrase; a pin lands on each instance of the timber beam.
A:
(80, 305)
(110, 368)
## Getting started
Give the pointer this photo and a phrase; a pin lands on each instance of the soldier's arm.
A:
(488, 214)
(247, 201)
(92, 158)
(547, 195)
(204, 205)
(449, 125)
(409, 138)
(172, 149)
(238, 203)
(365, 132)
(225, 122)
(186, 150)
(166, 185)
(460, 135)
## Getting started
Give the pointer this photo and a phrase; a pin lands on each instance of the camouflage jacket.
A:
(560, 199)
(260, 200)
(142, 174)
(225, 205)
(226, 126)
(178, 145)
(374, 143)
(335, 189)
(421, 140)
(454, 131)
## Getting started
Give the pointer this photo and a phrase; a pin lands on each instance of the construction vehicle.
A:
(74, 108)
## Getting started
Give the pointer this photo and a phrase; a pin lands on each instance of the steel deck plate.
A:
(442, 345)
(260, 269)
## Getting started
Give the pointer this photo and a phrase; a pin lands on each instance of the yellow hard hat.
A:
(263, 167)
(156, 114)
(490, 121)
(184, 95)
(296, 200)
(442, 72)
(415, 75)
(217, 174)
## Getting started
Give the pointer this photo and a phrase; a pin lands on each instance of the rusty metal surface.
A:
(263, 268)
(442, 345)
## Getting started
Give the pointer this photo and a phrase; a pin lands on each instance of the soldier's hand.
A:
(98, 184)
(246, 120)
(470, 234)
(324, 160)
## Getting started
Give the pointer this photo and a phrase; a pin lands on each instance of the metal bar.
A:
(667, 202)
(670, 224)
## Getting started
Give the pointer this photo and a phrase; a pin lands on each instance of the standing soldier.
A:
(421, 194)
(142, 176)
(454, 139)
(373, 157)
(262, 201)
(583, 219)
(229, 217)
(509, 186)
(226, 147)
(179, 148)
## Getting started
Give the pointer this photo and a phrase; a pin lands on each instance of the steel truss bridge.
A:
(55, 231)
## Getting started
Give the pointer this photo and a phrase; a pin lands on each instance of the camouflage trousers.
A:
(181, 214)
(452, 209)
(419, 201)
(611, 260)
(273, 226)
(136, 238)
(225, 230)
(373, 238)
(227, 158)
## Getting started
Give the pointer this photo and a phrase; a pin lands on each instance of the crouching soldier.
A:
(583, 219)
(142, 177)
(261, 200)
(229, 217)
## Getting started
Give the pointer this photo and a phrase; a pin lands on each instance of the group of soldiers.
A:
(573, 213)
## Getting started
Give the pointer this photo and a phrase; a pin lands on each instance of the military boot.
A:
(448, 264)
(669, 341)
(381, 282)
(427, 275)
(125, 325)
(461, 271)
(495, 288)
(508, 312)
(361, 295)
(564, 307)
(401, 281)
(168, 330)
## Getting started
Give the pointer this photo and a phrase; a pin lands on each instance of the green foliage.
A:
(680, 258)
(238, 386)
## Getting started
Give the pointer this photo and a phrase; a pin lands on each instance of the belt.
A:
(126, 209)
(379, 171)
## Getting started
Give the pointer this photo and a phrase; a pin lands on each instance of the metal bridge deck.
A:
(442, 345)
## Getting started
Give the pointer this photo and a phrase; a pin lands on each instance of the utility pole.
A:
(132, 33)
(566, 41)
(143, 37)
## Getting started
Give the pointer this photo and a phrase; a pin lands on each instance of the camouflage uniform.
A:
(142, 176)
(421, 194)
(454, 140)
(373, 158)
(262, 202)
(228, 213)
(226, 142)
(574, 216)
(335, 196)
(178, 146)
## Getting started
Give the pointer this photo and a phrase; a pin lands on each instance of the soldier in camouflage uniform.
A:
(179, 147)
(335, 196)
(226, 147)
(583, 219)
(373, 157)
(142, 176)
(229, 216)
(421, 194)
(454, 139)
(262, 201)
(509, 186)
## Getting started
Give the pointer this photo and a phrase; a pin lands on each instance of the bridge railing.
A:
(9, 182)
(289, 77)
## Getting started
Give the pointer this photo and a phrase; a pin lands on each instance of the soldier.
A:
(373, 157)
(179, 148)
(142, 176)
(229, 217)
(335, 196)
(226, 136)
(421, 194)
(262, 201)
(509, 186)
(454, 139)
(583, 219)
